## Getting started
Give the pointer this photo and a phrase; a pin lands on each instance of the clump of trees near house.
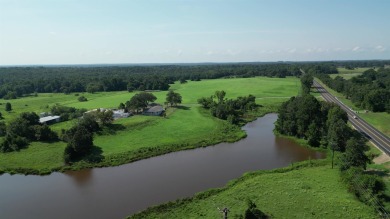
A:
(25, 128)
(173, 98)
(67, 113)
(139, 102)
(79, 138)
(228, 109)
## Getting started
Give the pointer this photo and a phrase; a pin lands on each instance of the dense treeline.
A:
(324, 125)
(18, 81)
(371, 90)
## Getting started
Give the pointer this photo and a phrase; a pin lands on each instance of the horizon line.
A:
(183, 63)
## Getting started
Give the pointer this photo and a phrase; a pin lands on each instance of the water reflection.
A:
(82, 177)
(116, 192)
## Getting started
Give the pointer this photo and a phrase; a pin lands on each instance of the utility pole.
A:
(225, 213)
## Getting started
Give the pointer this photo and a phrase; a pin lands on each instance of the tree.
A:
(44, 133)
(307, 82)
(313, 135)
(121, 106)
(89, 122)
(12, 143)
(20, 127)
(338, 133)
(173, 98)
(8, 107)
(3, 129)
(31, 117)
(82, 99)
(80, 142)
(105, 117)
(354, 155)
(140, 101)
(220, 95)
(206, 102)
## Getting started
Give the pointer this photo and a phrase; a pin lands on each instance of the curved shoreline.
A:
(147, 152)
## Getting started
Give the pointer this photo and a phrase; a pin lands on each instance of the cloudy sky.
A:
(183, 31)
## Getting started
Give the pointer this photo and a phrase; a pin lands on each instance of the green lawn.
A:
(309, 192)
(348, 74)
(139, 137)
(183, 126)
(380, 120)
(260, 87)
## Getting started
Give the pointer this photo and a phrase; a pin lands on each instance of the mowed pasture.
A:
(261, 87)
(349, 73)
(185, 127)
(308, 192)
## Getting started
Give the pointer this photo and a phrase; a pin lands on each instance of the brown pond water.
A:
(117, 192)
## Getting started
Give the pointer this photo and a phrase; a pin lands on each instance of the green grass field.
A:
(261, 87)
(348, 74)
(306, 192)
(380, 120)
(140, 137)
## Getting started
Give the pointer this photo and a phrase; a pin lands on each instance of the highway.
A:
(378, 138)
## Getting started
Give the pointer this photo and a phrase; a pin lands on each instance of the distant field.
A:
(310, 192)
(260, 87)
(380, 120)
(186, 127)
(348, 74)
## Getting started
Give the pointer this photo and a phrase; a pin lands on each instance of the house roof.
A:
(48, 118)
(155, 109)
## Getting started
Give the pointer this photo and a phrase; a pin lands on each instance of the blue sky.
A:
(177, 31)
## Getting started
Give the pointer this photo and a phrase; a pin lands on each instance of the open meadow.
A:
(291, 192)
(140, 136)
(349, 73)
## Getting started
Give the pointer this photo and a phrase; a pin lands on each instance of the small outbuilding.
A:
(49, 120)
(117, 114)
(154, 111)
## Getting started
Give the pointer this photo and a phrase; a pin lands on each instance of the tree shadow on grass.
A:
(111, 129)
(183, 107)
(94, 156)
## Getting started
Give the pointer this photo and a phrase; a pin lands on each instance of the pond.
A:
(117, 192)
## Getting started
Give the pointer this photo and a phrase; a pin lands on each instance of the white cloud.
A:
(380, 48)
(356, 49)
(291, 50)
(209, 53)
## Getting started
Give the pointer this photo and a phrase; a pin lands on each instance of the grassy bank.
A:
(379, 120)
(310, 189)
(140, 137)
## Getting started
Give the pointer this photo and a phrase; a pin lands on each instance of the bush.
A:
(3, 129)
(253, 212)
(13, 143)
(82, 99)
(367, 188)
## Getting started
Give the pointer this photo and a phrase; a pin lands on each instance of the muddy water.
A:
(120, 191)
